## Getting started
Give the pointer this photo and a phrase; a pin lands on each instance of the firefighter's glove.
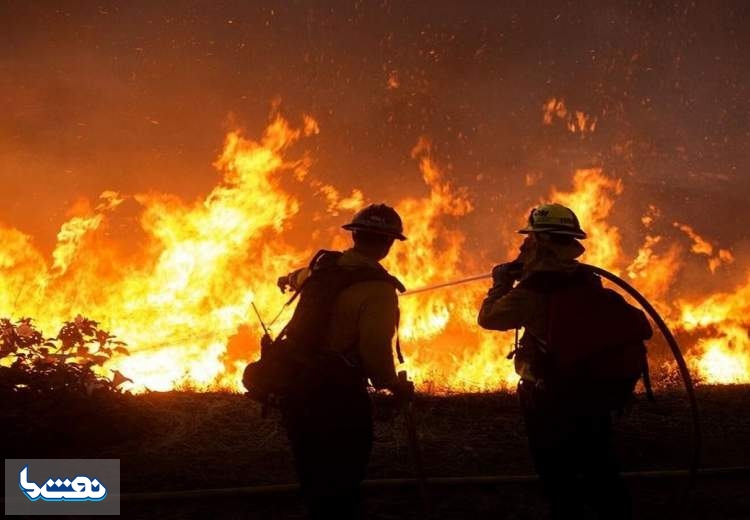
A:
(283, 283)
(403, 391)
(503, 278)
(294, 280)
(507, 273)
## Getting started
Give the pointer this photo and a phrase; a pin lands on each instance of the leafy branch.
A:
(34, 364)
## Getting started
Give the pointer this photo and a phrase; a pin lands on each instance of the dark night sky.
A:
(136, 95)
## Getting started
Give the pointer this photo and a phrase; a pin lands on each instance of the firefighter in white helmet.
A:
(567, 412)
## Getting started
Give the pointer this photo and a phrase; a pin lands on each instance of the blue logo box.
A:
(62, 487)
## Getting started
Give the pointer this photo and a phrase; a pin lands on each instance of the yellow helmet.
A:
(555, 219)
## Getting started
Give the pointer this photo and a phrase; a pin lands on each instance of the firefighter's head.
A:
(374, 229)
(552, 232)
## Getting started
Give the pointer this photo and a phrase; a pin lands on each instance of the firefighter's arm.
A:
(508, 311)
(378, 318)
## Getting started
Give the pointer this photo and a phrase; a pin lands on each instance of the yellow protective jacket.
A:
(365, 315)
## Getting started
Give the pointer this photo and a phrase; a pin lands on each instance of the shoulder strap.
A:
(325, 260)
(318, 294)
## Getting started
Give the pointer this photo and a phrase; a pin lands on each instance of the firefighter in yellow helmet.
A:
(566, 410)
(347, 315)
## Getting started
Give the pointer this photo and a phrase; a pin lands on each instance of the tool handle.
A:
(262, 324)
(416, 453)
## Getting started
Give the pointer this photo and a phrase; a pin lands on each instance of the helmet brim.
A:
(377, 231)
(580, 234)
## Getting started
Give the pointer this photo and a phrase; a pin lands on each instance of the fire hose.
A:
(674, 347)
(285, 490)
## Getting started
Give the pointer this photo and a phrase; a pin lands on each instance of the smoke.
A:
(134, 97)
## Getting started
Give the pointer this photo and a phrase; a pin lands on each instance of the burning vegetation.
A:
(179, 288)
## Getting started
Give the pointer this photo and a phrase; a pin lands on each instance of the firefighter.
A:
(348, 301)
(567, 414)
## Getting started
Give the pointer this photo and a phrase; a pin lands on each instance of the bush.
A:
(50, 388)
(35, 365)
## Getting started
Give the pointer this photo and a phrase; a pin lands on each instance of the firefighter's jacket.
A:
(517, 307)
(365, 317)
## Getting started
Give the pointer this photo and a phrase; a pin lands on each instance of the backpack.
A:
(296, 362)
(594, 351)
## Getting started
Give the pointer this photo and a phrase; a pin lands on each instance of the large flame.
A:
(179, 288)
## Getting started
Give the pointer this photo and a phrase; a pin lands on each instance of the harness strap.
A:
(399, 354)
(324, 261)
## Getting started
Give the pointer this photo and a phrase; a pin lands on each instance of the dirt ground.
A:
(184, 441)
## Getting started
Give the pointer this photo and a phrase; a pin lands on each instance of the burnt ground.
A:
(184, 441)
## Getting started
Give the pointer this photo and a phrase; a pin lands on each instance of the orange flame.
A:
(180, 292)
(701, 246)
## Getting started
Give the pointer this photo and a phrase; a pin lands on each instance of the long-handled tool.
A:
(416, 452)
(262, 323)
(265, 342)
